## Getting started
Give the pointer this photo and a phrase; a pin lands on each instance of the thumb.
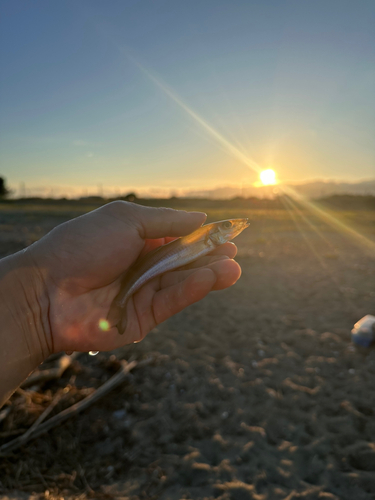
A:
(154, 222)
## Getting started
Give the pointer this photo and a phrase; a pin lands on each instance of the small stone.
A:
(119, 414)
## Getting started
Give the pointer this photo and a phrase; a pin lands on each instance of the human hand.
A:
(82, 262)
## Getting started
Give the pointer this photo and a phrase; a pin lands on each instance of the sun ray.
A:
(312, 225)
(193, 114)
(361, 240)
(319, 258)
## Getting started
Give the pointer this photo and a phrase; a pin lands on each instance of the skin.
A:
(175, 254)
(54, 294)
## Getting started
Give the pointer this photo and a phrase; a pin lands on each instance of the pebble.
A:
(119, 414)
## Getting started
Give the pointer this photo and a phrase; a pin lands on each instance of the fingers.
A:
(154, 222)
(227, 272)
(174, 299)
(151, 244)
(159, 222)
(229, 249)
(204, 262)
(168, 295)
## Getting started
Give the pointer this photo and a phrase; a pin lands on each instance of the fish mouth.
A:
(240, 225)
(246, 223)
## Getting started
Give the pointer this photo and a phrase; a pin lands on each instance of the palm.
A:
(83, 262)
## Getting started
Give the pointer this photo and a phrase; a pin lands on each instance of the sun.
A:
(268, 177)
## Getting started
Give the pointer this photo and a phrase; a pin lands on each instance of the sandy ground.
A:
(254, 393)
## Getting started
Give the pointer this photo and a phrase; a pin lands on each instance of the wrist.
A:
(24, 300)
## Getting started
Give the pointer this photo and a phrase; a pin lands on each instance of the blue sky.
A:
(291, 84)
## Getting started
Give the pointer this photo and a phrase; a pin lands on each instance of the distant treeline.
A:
(340, 202)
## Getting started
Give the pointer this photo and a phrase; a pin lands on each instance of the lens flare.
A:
(104, 325)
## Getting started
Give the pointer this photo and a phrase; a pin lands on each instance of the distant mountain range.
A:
(310, 189)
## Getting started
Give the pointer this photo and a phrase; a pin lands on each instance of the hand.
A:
(81, 264)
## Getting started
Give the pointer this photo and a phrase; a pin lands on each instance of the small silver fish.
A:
(171, 256)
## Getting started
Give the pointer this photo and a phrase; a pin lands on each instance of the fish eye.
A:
(227, 224)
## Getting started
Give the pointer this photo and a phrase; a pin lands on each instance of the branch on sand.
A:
(42, 376)
(38, 428)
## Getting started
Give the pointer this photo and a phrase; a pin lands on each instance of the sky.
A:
(101, 97)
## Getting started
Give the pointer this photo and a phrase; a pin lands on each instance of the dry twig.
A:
(42, 376)
(44, 415)
(4, 413)
(36, 430)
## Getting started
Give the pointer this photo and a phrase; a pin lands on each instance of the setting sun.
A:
(268, 177)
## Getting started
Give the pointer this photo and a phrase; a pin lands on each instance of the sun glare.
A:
(268, 177)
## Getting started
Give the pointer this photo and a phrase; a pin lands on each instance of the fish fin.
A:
(117, 317)
(121, 325)
(114, 314)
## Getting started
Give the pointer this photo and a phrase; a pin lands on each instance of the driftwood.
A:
(38, 428)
